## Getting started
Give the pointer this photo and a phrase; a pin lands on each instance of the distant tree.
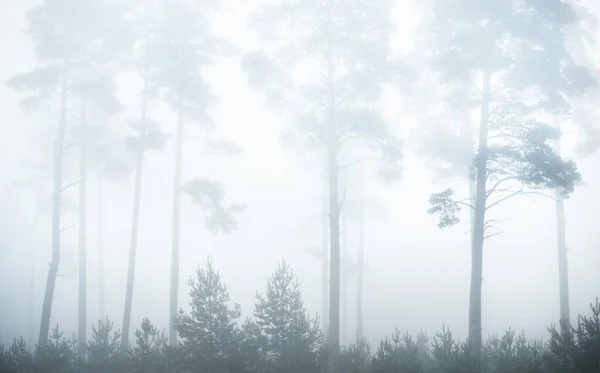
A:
(397, 353)
(148, 355)
(71, 41)
(104, 352)
(145, 134)
(575, 349)
(59, 354)
(344, 46)
(184, 45)
(51, 75)
(209, 332)
(359, 206)
(321, 252)
(356, 358)
(291, 338)
(513, 47)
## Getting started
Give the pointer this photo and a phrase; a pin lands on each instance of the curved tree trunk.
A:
(344, 284)
(56, 194)
(175, 243)
(82, 323)
(101, 290)
(475, 337)
(137, 195)
(563, 270)
(325, 263)
(334, 210)
(359, 280)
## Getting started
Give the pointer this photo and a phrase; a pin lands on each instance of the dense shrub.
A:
(283, 338)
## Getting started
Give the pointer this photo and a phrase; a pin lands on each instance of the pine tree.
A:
(184, 46)
(59, 355)
(104, 352)
(398, 353)
(148, 355)
(345, 44)
(72, 39)
(511, 46)
(576, 349)
(209, 333)
(291, 337)
(145, 134)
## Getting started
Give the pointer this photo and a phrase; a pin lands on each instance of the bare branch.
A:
(67, 186)
(520, 192)
(499, 201)
(342, 201)
(66, 228)
(497, 184)
(348, 138)
(464, 204)
(491, 235)
(489, 223)
(353, 163)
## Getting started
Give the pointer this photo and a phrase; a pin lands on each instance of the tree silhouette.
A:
(342, 48)
(508, 48)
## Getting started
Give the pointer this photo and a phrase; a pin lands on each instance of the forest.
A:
(342, 160)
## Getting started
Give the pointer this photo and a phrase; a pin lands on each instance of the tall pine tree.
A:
(503, 49)
(342, 47)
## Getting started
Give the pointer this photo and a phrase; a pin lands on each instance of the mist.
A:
(416, 277)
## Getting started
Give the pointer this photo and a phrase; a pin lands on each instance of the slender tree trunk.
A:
(82, 323)
(31, 308)
(325, 262)
(470, 171)
(475, 338)
(334, 208)
(101, 290)
(344, 284)
(563, 270)
(137, 195)
(31, 291)
(175, 243)
(359, 280)
(56, 194)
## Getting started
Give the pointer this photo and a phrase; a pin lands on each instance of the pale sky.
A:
(418, 277)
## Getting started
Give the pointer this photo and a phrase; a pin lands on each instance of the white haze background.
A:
(418, 276)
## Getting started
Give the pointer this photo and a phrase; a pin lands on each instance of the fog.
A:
(417, 276)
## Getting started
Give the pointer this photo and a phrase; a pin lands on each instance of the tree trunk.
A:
(563, 270)
(334, 209)
(471, 173)
(475, 338)
(56, 194)
(82, 323)
(137, 195)
(101, 290)
(359, 280)
(31, 289)
(344, 284)
(325, 263)
(175, 243)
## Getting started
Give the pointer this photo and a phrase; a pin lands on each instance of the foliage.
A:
(398, 353)
(291, 339)
(522, 45)
(283, 338)
(103, 350)
(209, 333)
(209, 195)
(148, 355)
(355, 42)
